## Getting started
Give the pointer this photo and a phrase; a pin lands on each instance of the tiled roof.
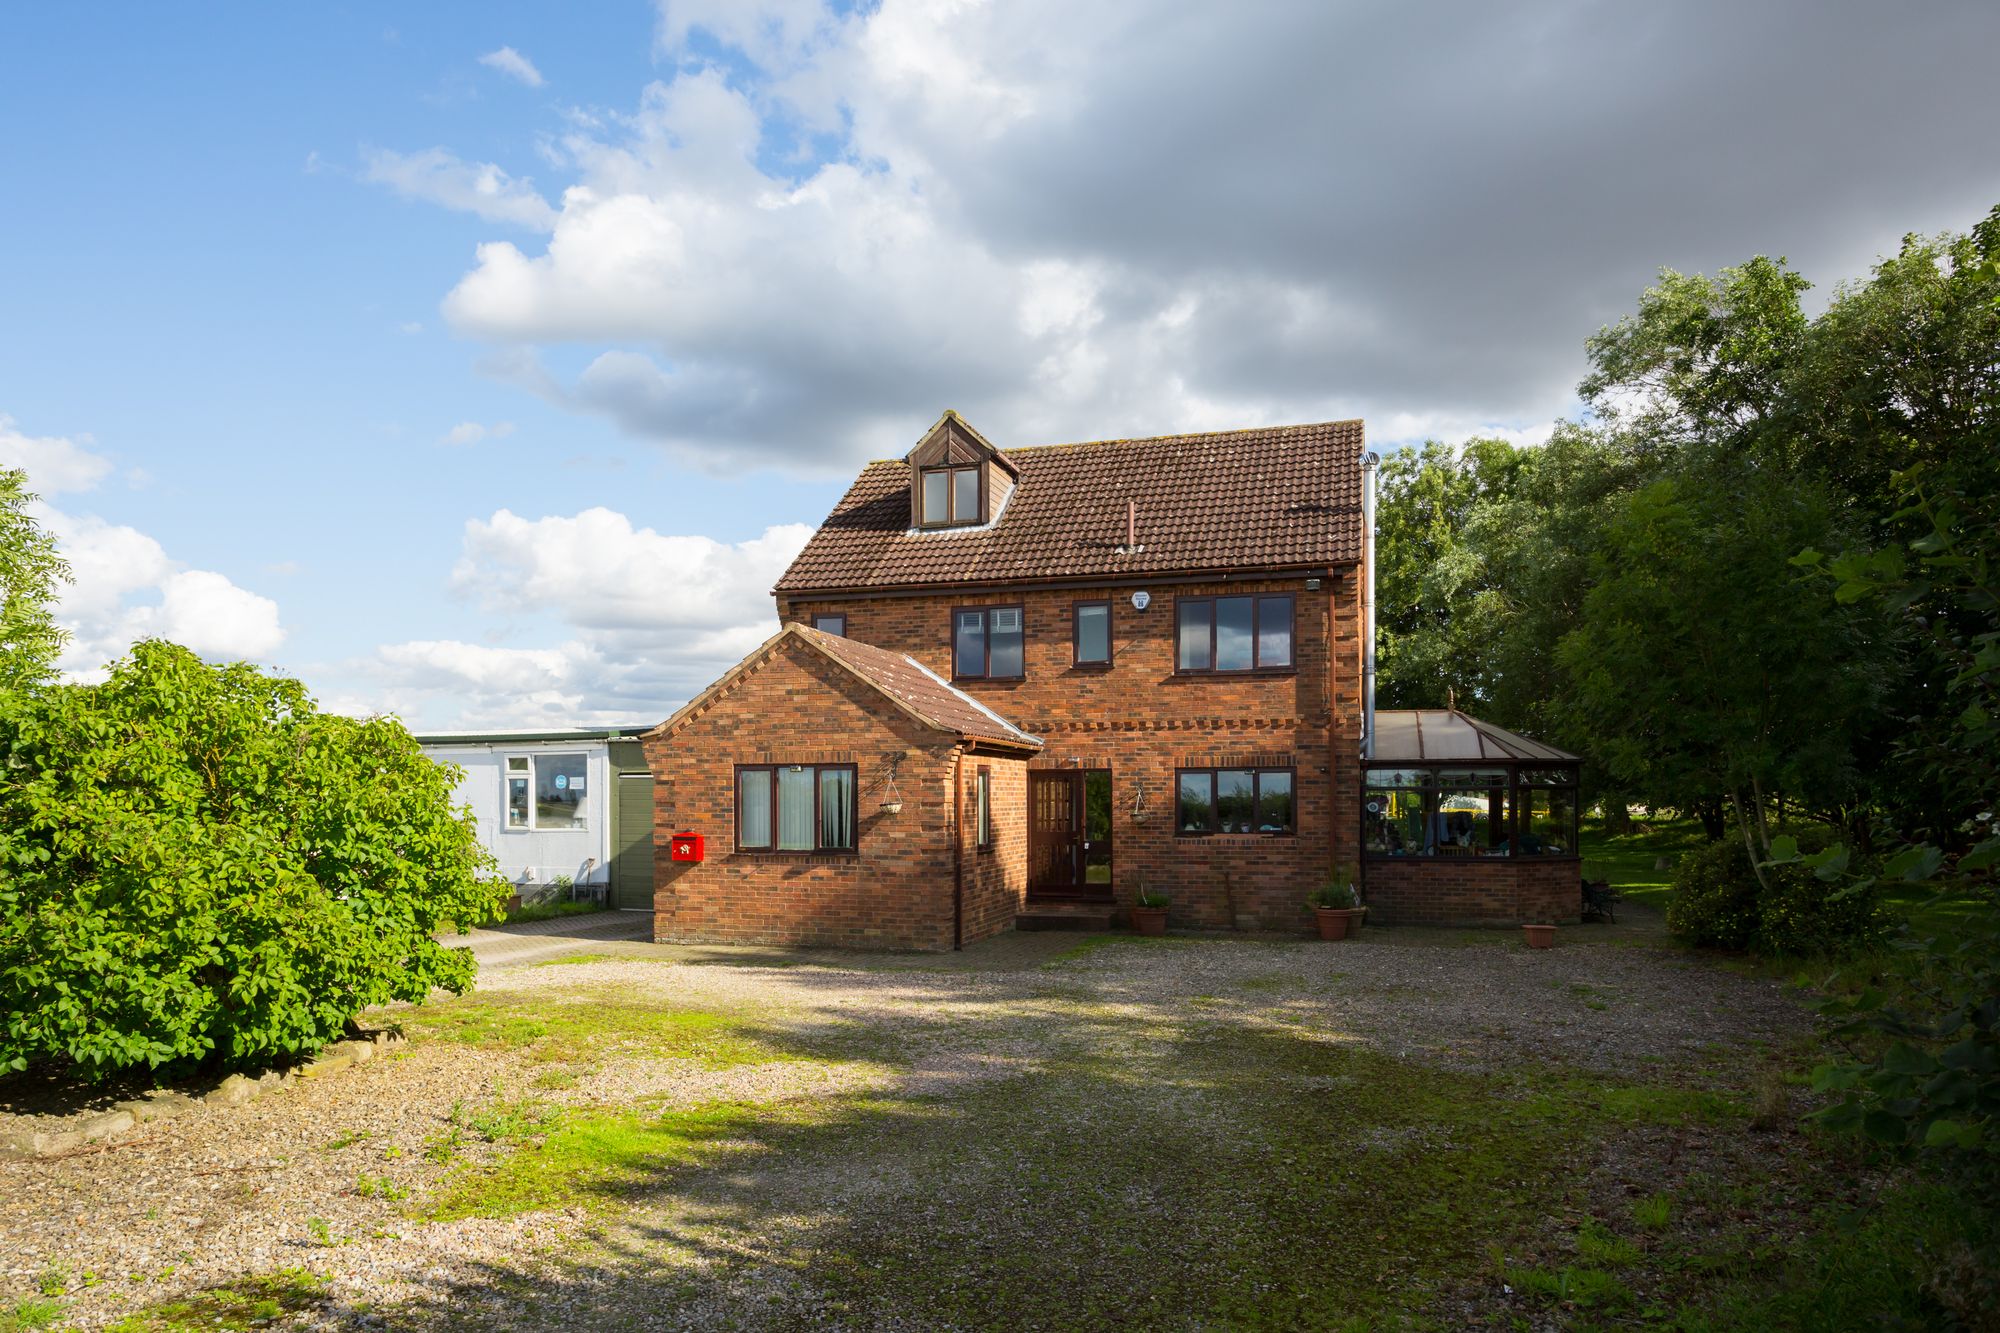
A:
(1282, 497)
(1433, 735)
(904, 681)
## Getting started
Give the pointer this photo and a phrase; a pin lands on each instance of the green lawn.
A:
(1633, 862)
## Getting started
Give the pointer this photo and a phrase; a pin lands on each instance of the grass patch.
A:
(592, 1159)
(26, 1316)
(573, 959)
(585, 1031)
(245, 1304)
(549, 911)
(1630, 861)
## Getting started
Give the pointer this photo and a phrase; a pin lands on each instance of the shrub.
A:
(198, 866)
(1718, 902)
(1715, 897)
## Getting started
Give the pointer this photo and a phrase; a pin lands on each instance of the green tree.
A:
(196, 865)
(30, 569)
(1436, 593)
(1701, 664)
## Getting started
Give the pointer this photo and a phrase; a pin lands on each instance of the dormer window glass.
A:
(951, 496)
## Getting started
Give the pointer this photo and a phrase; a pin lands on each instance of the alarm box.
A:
(687, 847)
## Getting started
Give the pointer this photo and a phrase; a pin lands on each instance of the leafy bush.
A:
(198, 866)
(1718, 902)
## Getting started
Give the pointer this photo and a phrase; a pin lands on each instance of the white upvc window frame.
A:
(523, 768)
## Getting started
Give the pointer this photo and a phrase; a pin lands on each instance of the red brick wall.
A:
(1142, 721)
(996, 880)
(1472, 890)
(895, 893)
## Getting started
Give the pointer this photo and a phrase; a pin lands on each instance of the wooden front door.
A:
(1067, 857)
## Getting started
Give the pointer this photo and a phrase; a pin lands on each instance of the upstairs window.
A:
(987, 643)
(831, 625)
(1233, 634)
(1093, 634)
(951, 497)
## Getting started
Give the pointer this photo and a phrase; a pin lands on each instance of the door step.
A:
(1065, 916)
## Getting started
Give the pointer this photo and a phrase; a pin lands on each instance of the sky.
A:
(487, 364)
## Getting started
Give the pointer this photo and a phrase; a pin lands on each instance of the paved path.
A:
(533, 941)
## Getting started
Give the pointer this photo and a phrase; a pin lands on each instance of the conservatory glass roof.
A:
(1445, 735)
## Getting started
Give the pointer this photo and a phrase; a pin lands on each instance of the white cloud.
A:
(479, 188)
(123, 586)
(631, 622)
(1168, 217)
(53, 464)
(472, 432)
(514, 65)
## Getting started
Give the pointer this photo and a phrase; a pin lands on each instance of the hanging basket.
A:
(892, 807)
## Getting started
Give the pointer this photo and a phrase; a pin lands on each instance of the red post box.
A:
(687, 847)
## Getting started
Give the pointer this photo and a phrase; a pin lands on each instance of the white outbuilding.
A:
(560, 808)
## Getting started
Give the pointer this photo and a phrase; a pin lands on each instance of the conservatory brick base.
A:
(1472, 891)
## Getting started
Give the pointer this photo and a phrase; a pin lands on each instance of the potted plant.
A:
(1338, 909)
(1149, 911)
(1539, 936)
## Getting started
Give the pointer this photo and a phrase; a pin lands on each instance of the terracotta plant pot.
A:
(1540, 937)
(1150, 920)
(1355, 916)
(1333, 922)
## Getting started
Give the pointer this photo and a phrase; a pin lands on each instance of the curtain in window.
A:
(795, 809)
(753, 808)
(836, 807)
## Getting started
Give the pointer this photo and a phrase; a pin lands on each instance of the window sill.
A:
(1253, 672)
(776, 855)
(988, 680)
(1236, 837)
(1090, 666)
(1431, 858)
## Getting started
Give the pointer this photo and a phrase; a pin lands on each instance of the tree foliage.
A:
(30, 569)
(198, 866)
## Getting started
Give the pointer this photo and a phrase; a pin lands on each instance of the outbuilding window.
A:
(546, 792)
(982, 802)
(1233, 634)
(795, 807)
(1234, 800)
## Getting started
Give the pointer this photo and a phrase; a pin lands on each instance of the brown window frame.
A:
(841, 617)
(952, 517)
(772, 849)
(982, 806)
(1076, 656)
(1256, 772)
(1256, 667)
(986, 632)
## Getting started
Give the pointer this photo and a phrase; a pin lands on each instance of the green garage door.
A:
(632, 853)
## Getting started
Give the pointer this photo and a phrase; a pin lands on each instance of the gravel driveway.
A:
(861, 1093)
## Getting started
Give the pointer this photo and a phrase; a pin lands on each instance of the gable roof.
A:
(910, 686)
(1285, 497)
(1441, 735)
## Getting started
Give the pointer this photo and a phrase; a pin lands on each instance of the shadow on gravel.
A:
(1161, 1165)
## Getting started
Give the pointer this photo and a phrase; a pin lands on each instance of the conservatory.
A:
(1466, 822)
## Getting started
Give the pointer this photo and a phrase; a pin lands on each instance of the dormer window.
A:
(951, 497)
(957, 479)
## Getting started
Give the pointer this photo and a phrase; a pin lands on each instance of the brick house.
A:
(1012, 687)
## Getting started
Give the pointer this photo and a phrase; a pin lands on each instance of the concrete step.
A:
(1065, 916)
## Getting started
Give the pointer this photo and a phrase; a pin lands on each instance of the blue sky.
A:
(497, 388)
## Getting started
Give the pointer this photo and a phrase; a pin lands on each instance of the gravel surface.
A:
(324, 1174)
